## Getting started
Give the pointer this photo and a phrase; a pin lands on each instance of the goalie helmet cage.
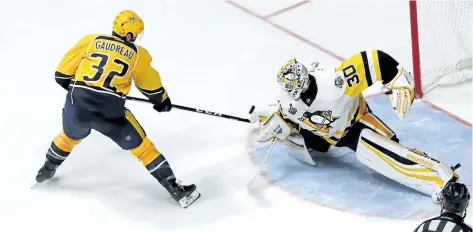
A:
(441, 38)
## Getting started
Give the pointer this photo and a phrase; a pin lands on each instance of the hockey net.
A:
(441, 33)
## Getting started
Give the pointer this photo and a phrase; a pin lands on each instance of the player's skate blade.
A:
(188, 200)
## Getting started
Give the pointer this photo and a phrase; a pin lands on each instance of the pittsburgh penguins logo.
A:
(319, 120)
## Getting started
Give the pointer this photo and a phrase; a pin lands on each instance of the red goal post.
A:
(441, 37)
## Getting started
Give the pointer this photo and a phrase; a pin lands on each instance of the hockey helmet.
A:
(128, 22)
(455, 197)
(293, 78)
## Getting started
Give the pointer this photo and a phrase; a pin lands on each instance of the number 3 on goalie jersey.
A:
(110, 74)
(349, 73)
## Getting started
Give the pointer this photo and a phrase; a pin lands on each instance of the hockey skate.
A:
(184, 194)
(46, 172)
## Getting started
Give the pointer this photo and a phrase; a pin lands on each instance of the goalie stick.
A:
(250, 184)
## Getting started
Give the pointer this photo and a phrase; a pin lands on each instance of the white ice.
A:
(210, 55)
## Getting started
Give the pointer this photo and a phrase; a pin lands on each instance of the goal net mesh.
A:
(445, 42)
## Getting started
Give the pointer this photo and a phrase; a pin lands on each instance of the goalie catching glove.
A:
(401, 92)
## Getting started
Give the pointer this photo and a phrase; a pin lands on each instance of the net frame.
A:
(457, 70)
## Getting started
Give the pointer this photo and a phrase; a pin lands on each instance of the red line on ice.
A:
(285, 9)
(285, 30)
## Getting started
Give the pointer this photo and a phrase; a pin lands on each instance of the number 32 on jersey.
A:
(106, 70)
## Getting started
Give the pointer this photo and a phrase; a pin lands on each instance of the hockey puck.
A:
(252, 109)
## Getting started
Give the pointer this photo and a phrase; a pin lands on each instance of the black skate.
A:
(184, 194)
(46, 172)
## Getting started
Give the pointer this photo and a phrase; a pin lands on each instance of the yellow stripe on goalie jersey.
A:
(109, 63)
(360, 72)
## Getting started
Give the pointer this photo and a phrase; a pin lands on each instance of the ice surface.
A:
(210, 55)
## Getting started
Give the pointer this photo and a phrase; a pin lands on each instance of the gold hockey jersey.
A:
(108, 64)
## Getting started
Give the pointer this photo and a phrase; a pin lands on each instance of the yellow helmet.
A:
(128, 22)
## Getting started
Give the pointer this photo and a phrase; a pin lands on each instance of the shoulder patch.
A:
(339, 82)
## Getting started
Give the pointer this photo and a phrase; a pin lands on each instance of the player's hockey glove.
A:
(164, 106)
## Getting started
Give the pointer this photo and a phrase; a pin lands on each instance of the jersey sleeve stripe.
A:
(368, 71)
(60, 75)
(151, 92)
(156, 96)
(376, 67)
(372, 69)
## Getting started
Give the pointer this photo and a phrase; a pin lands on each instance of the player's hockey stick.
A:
(197, 110)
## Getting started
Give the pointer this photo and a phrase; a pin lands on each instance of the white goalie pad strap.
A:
(401, 92)
(295, 146)
(274, 126)
(400, 164)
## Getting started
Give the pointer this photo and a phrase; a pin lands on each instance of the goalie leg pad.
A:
(295, 146)
(408, 167)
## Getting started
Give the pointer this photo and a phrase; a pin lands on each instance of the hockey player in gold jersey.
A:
(325, 107)
(98, 73)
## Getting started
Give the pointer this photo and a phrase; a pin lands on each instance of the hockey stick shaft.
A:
(262, 163)
(196, 110)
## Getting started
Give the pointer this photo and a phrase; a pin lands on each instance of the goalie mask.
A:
(293, 78)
